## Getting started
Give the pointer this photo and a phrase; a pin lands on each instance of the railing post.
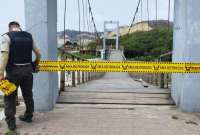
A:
(162, 77)
(86, 76)
(148, 78)
(162, 83)
(167, 80)
(94, 76)
(151, 78)
(83, 77)
(156, 79)
(89, 76)
(73, 75)
(78, 75)
(62, 75)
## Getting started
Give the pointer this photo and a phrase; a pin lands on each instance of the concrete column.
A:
(41, 21)
(186, 87)
(73, 75)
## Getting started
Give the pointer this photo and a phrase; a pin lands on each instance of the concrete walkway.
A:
(113, 105)
(112, 120)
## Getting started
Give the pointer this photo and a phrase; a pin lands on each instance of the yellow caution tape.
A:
(7, 87)
(112, 66)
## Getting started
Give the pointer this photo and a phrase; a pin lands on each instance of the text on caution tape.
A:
(112, 66)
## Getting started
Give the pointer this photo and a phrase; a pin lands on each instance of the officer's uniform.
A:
(16, 58)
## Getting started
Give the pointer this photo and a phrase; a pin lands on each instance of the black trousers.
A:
(20, 76)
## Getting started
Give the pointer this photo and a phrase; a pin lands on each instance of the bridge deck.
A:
(115, 88)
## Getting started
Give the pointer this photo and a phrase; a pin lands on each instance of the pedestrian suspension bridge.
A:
(114, 103)
(115, 88)
(185, 87)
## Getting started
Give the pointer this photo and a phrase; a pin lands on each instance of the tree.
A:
(147, 45)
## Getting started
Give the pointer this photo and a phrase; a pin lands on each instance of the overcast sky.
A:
(121, 10)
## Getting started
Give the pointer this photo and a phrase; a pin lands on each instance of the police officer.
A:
(16, 48)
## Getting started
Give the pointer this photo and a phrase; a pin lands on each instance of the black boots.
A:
(25, 119)
(11, 126)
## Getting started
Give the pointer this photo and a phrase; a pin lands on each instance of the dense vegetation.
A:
(92, 45)
(147, 45)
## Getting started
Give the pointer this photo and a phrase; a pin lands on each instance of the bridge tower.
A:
(115, 32)
(41, 21)
(186, 87)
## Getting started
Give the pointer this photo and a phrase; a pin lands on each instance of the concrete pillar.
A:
(186, 87)
(41, 21)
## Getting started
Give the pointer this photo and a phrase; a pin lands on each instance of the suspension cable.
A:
(83, 17)
(79, 21)
(83, 8)
(169, 12)
(87, 11)
(141, 13)
(90, 19)
(65, 8)
(91, 13)
(156, 13)
(148, 13)
(134, 17)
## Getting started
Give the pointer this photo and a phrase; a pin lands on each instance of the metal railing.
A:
(161, 80)
(74, 78)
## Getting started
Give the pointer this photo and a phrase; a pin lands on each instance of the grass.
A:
(11, 133)
(86, 56)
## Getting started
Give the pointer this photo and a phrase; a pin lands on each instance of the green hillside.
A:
(147, 45)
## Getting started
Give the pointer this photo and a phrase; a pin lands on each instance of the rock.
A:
(175, 117)
(191, 122)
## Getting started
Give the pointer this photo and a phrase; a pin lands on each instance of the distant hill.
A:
(74, 35)
(143, 26)
(160, 23)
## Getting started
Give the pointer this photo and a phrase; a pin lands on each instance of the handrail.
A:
(71, 54)
(162, 80)
(76, 77)
(166, 54)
